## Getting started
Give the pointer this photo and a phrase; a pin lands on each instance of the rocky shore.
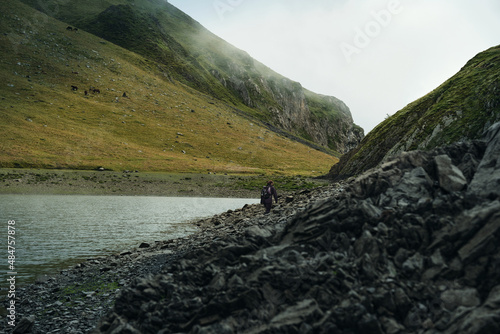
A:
(75, 300)
(409, 247)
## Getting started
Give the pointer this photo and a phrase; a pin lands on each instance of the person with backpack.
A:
(267, 194)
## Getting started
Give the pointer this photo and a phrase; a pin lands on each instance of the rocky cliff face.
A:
(324, 120)
(462, 108)
(334, 129)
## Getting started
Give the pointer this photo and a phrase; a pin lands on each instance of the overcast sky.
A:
(376, 56)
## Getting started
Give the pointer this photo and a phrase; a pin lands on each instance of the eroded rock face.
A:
(291, 107)
(294, 113)
(411, 246)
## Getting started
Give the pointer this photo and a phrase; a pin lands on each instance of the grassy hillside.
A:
(461, 108)
(160, 125)
(143, 27)
(188, 53)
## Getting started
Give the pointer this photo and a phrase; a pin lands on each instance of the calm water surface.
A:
(55, 232)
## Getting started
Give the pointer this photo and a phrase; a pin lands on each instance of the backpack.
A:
(265, 192)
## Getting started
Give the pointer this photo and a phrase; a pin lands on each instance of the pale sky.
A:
(376, 56)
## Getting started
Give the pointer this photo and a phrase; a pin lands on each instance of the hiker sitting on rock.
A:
(267, 194)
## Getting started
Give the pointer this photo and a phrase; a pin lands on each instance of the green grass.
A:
(47, 125)
(283, 183)
(97, 285)
(86, 182)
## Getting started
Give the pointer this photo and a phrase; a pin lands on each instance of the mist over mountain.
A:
(186, 52)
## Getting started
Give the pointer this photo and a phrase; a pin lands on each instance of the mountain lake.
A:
(55, 232)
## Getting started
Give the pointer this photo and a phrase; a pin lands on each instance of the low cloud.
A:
(394, 60)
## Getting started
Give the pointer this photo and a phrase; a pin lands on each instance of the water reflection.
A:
(54, 232)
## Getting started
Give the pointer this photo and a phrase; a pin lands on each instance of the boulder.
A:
(450, 177)
(25, 325)
(486, 181)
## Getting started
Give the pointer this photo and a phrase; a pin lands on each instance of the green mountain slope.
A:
(189, 53)
(461, 108)
(142, 118)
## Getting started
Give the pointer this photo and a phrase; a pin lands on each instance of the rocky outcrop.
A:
(408, 247)
(330, 126)
(462, 108)
(324, 120)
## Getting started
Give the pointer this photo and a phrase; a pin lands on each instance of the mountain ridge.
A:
(461, 108)
(194, 56)
(124, 112)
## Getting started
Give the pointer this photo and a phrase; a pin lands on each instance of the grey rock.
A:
(25, 325)
(256, 231)
(414, 264)
(486, 180)
(391, 326)
(450, 177)
(297, 314)
(367, 244)
(485, 240)
(455, 298)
